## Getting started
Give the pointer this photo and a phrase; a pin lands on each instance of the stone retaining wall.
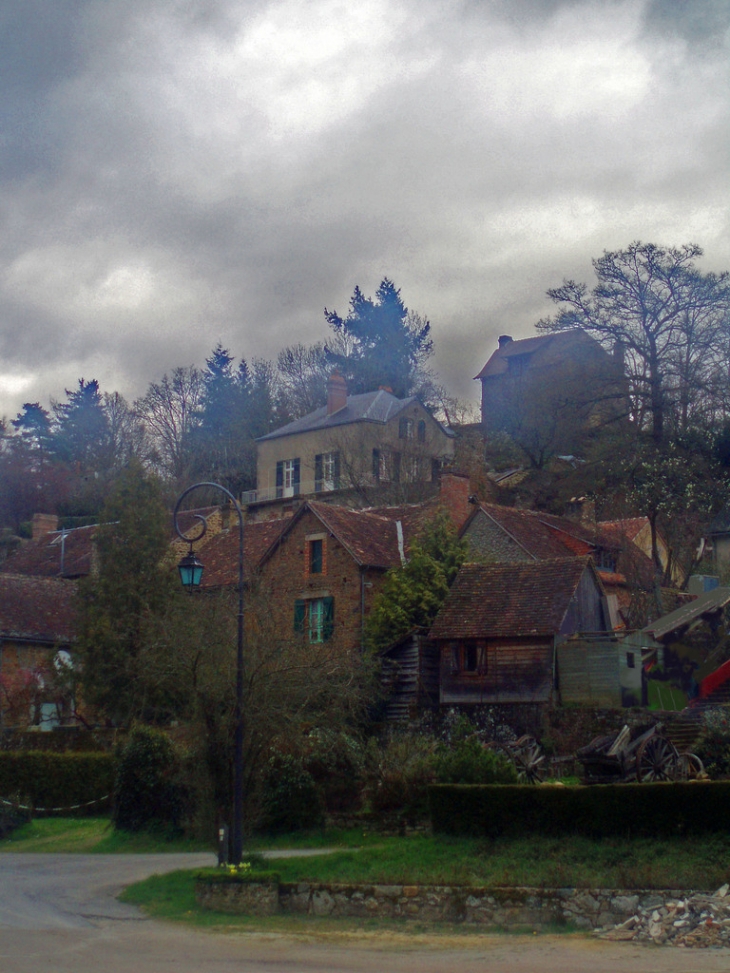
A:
(503, 908)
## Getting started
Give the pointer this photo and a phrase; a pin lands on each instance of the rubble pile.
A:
(698, 921)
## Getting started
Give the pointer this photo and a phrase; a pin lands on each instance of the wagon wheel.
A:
(690, 767)
(656, 759)
(529, 761)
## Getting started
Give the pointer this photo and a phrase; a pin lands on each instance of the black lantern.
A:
(191, 570)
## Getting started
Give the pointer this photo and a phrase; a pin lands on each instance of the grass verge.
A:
(90, 836)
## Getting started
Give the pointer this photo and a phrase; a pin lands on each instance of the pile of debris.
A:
(698, 921)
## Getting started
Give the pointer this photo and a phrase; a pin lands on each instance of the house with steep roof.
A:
(367, 445)
(501, 535)
(547, 391)
(37, 622)
(499, 627)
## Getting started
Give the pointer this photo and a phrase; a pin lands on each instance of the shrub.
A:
(335, 760)
(713, 747)
(290, 799)
(147, 790)
(48, 780)
(468, 761)
(664, 809)
(398, 775)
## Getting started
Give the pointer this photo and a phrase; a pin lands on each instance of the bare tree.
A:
(169, 412)
(670, 321)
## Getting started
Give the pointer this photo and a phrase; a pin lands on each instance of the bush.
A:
(290, 799)
(655, 810)
(147, 791)
(713, 747)
(468, 761)
(398, 775)
(57, 781)
(335, 761)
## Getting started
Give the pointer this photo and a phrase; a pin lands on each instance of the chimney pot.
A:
(504, 339)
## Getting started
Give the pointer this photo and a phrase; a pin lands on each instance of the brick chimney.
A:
(454, 496)
(336, 393)
(504, 339)
(42, 524)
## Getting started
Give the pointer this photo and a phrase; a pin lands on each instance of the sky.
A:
(178, 173)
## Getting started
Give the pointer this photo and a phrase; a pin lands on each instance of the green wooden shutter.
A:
(300, 610)
(328, 624)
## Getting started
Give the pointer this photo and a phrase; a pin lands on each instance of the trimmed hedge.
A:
(653, 810)
(57, 780)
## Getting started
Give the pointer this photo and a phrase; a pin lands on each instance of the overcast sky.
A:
(174, 173)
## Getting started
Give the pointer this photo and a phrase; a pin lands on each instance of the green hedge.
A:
(57, 780)
(664, 809)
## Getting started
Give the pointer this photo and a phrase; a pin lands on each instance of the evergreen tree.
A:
(383, 343)
(81, 437)
(132, 586)
(413, 593)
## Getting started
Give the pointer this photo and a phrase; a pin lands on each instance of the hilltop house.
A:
(368, 445)
(547, 391)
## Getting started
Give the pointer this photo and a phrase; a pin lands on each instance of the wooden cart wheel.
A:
(690, 767)
(530, 763)
(656, 759)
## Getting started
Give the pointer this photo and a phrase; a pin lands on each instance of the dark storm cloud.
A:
(178, 173)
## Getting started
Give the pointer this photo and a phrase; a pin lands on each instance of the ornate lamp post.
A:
(191, 571)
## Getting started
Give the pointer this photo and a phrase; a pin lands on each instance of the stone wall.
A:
(502, 908)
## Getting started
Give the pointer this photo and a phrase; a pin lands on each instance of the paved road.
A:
(59, 913)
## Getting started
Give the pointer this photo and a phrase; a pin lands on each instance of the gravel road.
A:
(59, 913)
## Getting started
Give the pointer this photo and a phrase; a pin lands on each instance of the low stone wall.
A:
(499, 908)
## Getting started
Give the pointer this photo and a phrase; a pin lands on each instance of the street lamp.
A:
(191, 571)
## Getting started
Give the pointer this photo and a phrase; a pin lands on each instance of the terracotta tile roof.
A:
(37, 609)
(629, 527)
(372, 539)
(220, 554)
(60, 553)
(187, 519)
(509, 600)
(535, 538)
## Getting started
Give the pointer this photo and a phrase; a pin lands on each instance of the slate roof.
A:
(220, 555)
(497, 364)
(509, 600)
(380, 407)
(37, 609)
(60, 553)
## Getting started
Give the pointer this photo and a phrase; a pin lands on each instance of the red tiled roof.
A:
(60, 553)
(220, 554)
(38, 609)
(629, 528)
(187, 519)
(509, 600)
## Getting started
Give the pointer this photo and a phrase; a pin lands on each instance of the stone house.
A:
(498, 629)
(366, 446)
(36, 631)
(547, 390)
(503, 535)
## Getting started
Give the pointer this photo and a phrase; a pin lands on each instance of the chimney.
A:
(583, 510)
(504, 339)
(454, 496)
(42, 524)
(336, 393)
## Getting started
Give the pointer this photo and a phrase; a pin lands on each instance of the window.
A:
(422, 430)
(469, 656)
(386, 466)
(316, 556)
(405, 429)
(287, 477)
(326, 472)
(315, 618)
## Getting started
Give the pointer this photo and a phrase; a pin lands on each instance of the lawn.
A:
(90, 836)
